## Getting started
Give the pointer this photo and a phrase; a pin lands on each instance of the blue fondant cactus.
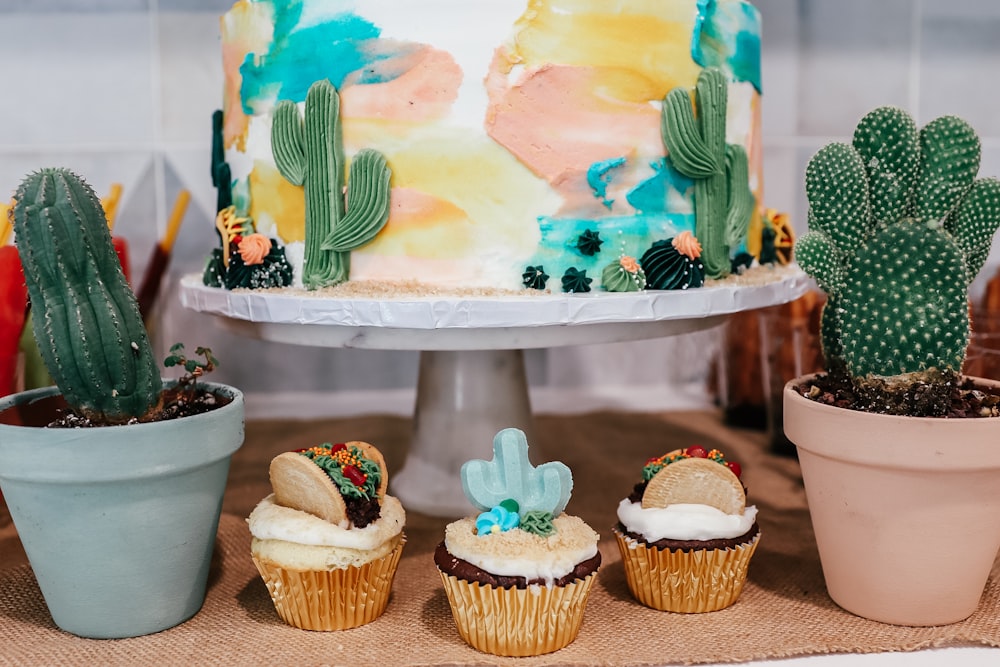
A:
(509, 475)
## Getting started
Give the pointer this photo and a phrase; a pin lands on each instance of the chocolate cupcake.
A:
(517, 575)
(686, 534)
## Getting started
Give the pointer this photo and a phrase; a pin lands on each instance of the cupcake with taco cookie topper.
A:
(327, 541)
(518, 574)
(686, 534)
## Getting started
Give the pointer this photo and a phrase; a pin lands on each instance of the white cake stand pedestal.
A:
(472, 381)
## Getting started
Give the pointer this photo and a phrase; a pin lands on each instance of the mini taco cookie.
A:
(698, 481)
(686, 534)
(301, 484)
(327, 542)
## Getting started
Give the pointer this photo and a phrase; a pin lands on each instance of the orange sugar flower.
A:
(629, 263)
(687, 244)
(254, 248)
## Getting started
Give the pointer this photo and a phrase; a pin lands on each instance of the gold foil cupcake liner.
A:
(517, 622)
(331, 599)
(690, 582)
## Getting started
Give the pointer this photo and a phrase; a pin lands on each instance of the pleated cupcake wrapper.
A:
(331, 599)
(691, 582)
(517, 622)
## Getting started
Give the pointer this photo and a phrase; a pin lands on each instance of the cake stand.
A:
(471, 381)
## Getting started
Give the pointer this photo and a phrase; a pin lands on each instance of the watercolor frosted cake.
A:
(497, 143)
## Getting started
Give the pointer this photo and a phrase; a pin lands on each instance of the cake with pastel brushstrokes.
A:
(500, 144)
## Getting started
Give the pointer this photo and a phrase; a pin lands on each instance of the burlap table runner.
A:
(784, 610)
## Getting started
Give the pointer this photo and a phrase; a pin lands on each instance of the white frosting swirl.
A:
(684, 521)
(517, 553)
(270, 521)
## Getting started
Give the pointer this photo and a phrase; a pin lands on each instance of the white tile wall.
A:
(122, 91)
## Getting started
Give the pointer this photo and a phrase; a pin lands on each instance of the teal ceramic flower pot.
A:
(118, 522)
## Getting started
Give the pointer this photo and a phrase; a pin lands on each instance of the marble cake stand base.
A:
(472, 380)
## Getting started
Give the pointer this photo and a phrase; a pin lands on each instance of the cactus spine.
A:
(86, 318)
(899, 227)
(697, 148)
(310, 153)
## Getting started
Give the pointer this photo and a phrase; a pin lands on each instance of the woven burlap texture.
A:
(783, 611)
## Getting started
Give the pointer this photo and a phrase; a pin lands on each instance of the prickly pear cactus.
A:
(85, 317)
(509, 476)
(899, 227)
(697, 148)
(310, 152)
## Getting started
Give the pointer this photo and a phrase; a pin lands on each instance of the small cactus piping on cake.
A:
(309, 152)
(899, 227)
(86, 318)
(697, 148)
(509, 475)
(221, 173)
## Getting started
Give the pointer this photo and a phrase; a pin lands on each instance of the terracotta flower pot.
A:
(118, 522)
(906, 510)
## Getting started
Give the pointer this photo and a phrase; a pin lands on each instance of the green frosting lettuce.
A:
(333, 467)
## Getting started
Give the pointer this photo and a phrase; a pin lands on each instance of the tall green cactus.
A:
(310, 153)
(899, 227)
(696, 146)
(85, 316)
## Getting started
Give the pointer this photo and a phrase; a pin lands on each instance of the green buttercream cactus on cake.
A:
(899, 227)
(695, 138)
(511, 492)
(86, 318)
(309, 152)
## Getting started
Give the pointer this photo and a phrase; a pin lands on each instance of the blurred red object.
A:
(13, 305)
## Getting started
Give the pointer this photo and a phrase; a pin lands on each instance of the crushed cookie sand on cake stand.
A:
(472, 380)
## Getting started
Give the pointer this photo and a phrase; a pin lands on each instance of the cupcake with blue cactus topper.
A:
(518, 573)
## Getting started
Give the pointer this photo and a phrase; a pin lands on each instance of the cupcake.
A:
(328, 539)
(518, 574)
(686, 534)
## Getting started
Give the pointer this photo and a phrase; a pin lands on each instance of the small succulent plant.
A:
(899, 227)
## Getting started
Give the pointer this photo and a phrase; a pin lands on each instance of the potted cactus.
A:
(117, 514)
(899, 452)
